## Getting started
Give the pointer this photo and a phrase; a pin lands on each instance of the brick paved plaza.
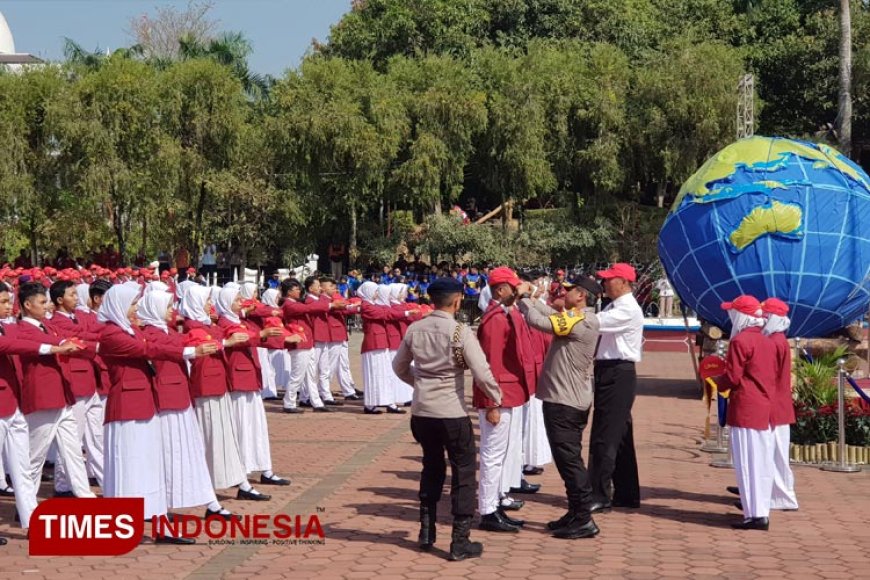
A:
(362, 472)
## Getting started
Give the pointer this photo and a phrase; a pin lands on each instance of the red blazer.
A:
(402, 324)
(45, 384)
(337, 321)
(243, 367)
(100, 369)
(82, 374)
(751, 367)
(131, 391)
(208, 374)
(172, 387)
(320, 318)
(375, 318)
(10, 386)
(504, 347)
(783, 402)
(301, 313)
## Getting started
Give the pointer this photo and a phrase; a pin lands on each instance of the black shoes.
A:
(628, 504)
(7, 492)
(561, 522)
(305, 404)
(252, 495)
(322, 410)
(353, 397)
(333, 403)
(92, 481)
(274, 480)
(227, 516)
(3, 541)
(512, 521)
(532, 470)
(372, 411)
(294, 411)
(733, 489)
(175, 541)
(64, 494)
(461, 547)
(600, 507)
(496, 522)
(358, 392)
(739, 505)
(511, 505)
(762, 524)
(576, 529)
(428, 517)
(526, 487)
(396, 411)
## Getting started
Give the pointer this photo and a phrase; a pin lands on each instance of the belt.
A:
(612, 362)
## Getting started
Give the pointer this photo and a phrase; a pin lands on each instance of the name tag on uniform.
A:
(564, 322)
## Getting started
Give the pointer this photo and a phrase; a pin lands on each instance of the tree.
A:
(844, 101)
(230, 49)
(160, 35)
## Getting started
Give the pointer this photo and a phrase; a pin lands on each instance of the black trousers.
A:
(456, 437)
(611, 443)
(564, 427)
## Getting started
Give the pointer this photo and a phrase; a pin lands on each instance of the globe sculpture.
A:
(773, 217)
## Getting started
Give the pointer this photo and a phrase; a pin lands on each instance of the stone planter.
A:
(825, 452)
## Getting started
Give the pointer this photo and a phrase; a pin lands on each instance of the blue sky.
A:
(280, 30)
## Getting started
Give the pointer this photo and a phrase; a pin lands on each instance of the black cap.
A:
(443, 286)
(586, 283)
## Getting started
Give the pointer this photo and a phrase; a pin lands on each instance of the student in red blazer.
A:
(257, 313)
(188, 482)
(209, 389)
(246, 398)
(298, 314)
(317, 392)
(96, 291)
(783, 415)
(396, 332)
(46, 396)
(337, 352)
(88, 409)
(751, 369)
(13, 426)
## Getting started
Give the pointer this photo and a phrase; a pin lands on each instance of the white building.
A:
(8, 56)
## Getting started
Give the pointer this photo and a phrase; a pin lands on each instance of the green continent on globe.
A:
(777, 218)
(762, 155)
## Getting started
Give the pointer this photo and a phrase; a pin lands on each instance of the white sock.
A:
(214, 506)
(246, 486)
(268, 474)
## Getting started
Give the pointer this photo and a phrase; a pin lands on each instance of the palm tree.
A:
(844, 113)
(232, 50)
(78, 56)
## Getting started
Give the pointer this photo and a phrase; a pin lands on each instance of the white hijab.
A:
(741, 321)
(116, 303)
(270, 297)
(485, 298)
(152, 309)
(776, 323)
(181, 288)
(248, 290)
(193, 304)
(83, 291)
(396, 291)
(367, 291)
(224, 303)
(383, 297)
(155, 287)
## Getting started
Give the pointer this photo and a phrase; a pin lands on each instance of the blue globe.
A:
(773, 217)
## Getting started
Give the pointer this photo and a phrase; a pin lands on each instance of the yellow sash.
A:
(563, 322)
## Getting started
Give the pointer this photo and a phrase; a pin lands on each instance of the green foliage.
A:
(815, 382)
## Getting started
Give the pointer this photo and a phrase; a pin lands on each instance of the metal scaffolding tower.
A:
(746, 107)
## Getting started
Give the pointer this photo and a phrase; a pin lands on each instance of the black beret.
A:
(442, 286)
(586, 283)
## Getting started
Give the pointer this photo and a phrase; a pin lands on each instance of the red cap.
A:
(191, 270)
(560, 272)
(774, 306)
(49, 271)
(504, 275)
(745, 304)
(619, 270)
(95, 267)
(164, 274)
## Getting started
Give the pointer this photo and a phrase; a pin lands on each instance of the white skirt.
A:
(379, 388)
(280, 361)
(404, 392)
(536, 446)
(134, 463)
(219, 439)
(267, 372)
(252, 430)
(188, 483)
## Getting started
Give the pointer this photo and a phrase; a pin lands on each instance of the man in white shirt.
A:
(611, 441)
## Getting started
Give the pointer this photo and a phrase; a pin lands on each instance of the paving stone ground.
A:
(362, 472)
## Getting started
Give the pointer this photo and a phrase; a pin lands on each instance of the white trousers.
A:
(299, 361)
(319, 372)
(267, 373)
(60, 424)
(337, 365)
(752, 451)
(280, 361)
(494, 444)
(536, 446)
(15, 445)
(783, 497)
(89, 413)
(512, 473)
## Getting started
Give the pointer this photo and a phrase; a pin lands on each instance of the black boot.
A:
(461, 547)
(428, 516)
